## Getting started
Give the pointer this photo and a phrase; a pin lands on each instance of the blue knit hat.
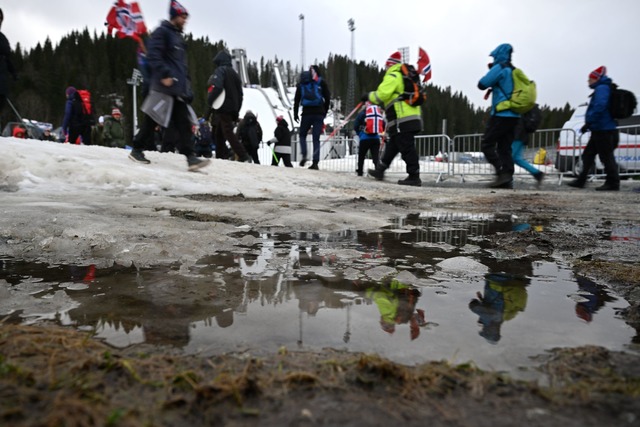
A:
(176, 9)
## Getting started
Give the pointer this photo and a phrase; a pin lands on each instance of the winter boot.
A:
(195, 163)
(413, 179)
(377, 173)
(608, 187)
(314, 166)
(539, 177)
(577, 183)
(138, 156)
(501, 180)
(303, 161)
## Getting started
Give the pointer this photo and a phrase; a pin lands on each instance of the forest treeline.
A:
(103, 64)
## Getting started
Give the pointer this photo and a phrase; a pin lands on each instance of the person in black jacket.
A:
(313, 94)
(282, 143)
(250, 134)
(226, 79)
(167, 58)
(6, 66)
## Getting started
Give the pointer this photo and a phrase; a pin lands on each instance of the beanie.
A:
(116, 112)
(598, 73)
(395, 58)
(70, 91)
(176, 9)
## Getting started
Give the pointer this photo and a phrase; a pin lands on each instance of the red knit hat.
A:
(395, 58)
(598, 73)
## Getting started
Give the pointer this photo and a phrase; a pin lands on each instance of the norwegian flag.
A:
(126, 20)
(374, 121)
(424, 65)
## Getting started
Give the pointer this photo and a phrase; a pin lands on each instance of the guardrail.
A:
(556, 152)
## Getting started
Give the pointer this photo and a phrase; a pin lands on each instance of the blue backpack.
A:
(311, 92)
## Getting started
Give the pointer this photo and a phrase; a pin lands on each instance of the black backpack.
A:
(622, 103)
(531, 119)
(413, 93)
(311, 92)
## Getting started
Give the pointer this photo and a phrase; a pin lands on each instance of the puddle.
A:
(430, 287)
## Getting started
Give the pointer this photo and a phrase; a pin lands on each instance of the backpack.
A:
(373, 120)
(87, 110)
(622, 103)
(524, 94)
(311, 92)
(413, 93)
(531, 119)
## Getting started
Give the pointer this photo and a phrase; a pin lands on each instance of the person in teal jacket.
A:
(496, 142)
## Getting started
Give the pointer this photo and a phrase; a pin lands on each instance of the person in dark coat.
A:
(604, 134)
(313, 114)
(6, 66)
(250, 134)
(167, 59)
(75, 123)
(226, 79)
(282, 143)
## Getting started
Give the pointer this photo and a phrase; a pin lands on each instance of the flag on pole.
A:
(126, 20)
(424, 65)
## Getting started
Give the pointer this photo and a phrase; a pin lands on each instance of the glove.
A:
(584, 128)
(364, 97)
(295, 117)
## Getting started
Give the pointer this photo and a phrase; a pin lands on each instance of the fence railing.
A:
(556, 152)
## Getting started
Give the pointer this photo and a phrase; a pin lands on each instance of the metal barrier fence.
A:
(556, 152)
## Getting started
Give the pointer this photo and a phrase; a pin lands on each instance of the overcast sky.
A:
(556, 42)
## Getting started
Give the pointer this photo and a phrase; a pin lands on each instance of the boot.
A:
(195, 163)
(314, 166)
(377, 173)
(413, 179)
(303, 161)
(501, 180)
(576, 183)
(608, 187)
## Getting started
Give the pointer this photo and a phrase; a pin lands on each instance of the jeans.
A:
(306, 122)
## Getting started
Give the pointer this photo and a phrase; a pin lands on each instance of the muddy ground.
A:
(54, 376)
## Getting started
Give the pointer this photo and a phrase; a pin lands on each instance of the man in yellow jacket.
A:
(404, 121)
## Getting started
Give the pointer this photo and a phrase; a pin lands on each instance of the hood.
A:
(502, 53)
(222, 58)
(604, 80)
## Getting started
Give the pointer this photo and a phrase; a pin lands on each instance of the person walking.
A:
(226, 82)
(76, 122)
(6, 66)
(312, 93)
(250, 134)
(404, 121)
(370, 125)
(604, 134)
(113, 132)
(500, 131)
(282, 143)
(167, 59)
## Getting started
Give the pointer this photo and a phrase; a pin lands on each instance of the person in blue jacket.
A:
(604, 134)
(496, 142)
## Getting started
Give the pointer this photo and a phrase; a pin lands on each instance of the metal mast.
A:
(301, 18)
(351, 88)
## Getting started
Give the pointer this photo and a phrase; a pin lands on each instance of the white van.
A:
(571, 143)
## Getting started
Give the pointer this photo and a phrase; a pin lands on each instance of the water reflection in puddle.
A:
(430, 287)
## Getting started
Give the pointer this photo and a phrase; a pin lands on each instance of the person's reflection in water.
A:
(397, 305)
(595, 296)
(504, 297)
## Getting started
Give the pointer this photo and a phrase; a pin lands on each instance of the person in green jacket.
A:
(404, 121)
(113, 133)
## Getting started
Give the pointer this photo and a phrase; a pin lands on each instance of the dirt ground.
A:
(54, 376)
